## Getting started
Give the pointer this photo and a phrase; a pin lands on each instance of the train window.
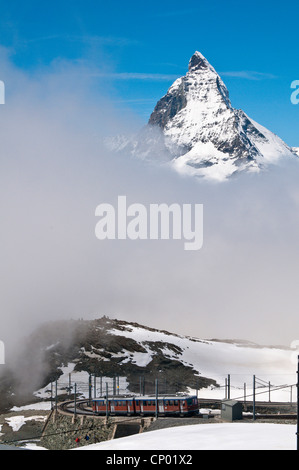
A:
(137, 402)
(130, 403)
(171, 402)
(166, 402)
(176, 402)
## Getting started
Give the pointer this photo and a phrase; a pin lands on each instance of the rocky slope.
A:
(133, 356)
(100, 348)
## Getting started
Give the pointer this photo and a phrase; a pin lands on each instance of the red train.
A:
(147, 406)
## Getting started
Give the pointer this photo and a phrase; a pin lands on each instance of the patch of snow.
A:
(43, 405)
(217, 360)
(295, 150)
(16, 422)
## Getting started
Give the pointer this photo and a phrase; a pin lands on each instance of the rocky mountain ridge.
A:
(108, 348)
(101, 348)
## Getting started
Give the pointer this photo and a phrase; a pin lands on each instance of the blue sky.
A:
(138, 48)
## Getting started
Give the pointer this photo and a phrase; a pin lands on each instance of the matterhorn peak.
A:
(202, 134)
(213, 139)
(198, 62)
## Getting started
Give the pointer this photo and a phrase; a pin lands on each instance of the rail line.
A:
(81, 408)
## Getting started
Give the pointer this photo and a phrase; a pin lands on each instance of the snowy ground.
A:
(224, 436)
(16, 422)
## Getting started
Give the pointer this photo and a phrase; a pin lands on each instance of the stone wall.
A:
(61, 431)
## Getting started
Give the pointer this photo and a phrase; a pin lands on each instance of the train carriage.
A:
(147, 406)
(114, 406)
(167, 406)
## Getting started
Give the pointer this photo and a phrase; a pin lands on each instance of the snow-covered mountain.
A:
(110, 348)
(196, 128)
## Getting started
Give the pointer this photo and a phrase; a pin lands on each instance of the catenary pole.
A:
(107, 403)
(253, 413)
(156, 383)
(298, 405)
(75, 400)
(56, 395)
(89, 389)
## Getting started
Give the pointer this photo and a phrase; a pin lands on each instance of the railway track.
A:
(283, 409)
(80, 408)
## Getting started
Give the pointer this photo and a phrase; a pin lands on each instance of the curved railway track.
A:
(81, 408)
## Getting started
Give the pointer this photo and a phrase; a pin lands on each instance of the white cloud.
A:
(54, 171)
(248, 75)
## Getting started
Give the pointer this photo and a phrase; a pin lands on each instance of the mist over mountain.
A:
(55, 171)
